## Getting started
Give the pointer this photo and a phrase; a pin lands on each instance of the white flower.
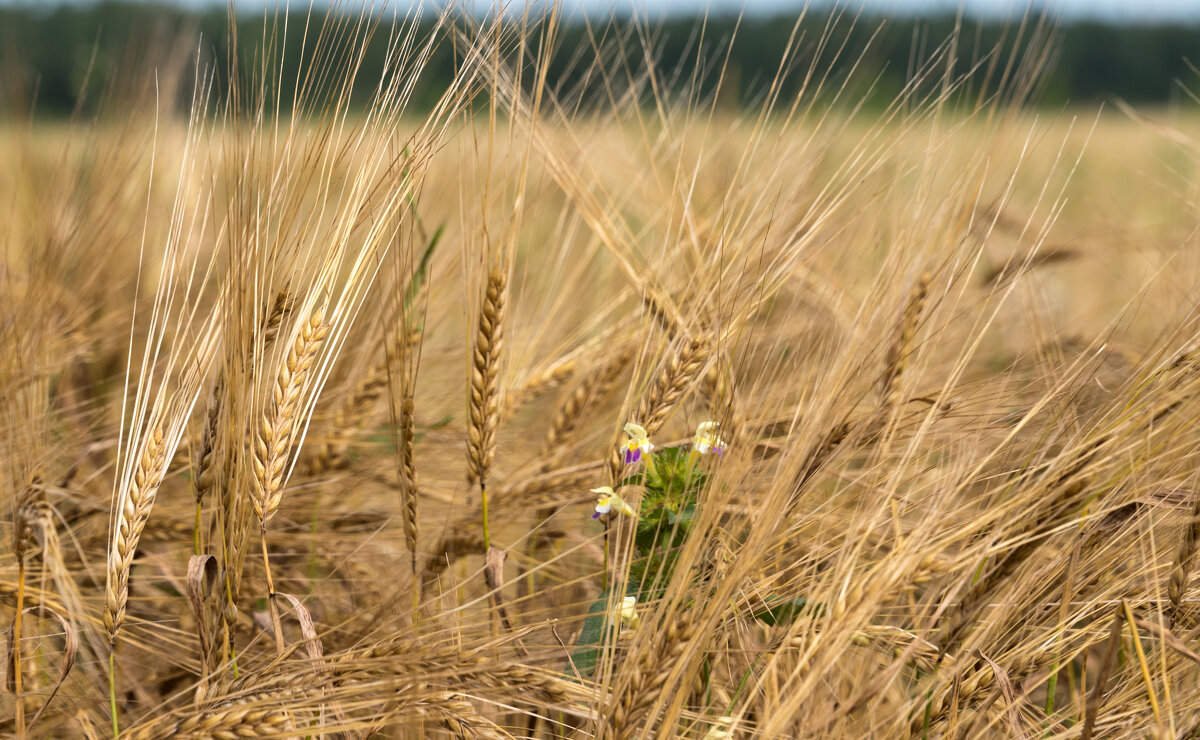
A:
(628, 612)
(638, 443)
(609, 501)
(706, 439)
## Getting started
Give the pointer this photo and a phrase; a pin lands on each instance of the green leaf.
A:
(597, 628)
(591, 638)
(683, 517)
(633, 479)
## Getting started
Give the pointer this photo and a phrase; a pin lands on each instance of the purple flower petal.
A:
(596, 515)
(632, 456)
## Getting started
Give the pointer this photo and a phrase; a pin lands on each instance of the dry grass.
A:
(952, 349)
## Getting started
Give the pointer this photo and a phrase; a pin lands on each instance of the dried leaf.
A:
(493, 573)
(1017, 266)
(70, 650)
(308, 629)
(201, 577)
(1010, 696)
(1168, 637)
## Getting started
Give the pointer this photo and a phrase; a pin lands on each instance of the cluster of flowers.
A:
(637, 445)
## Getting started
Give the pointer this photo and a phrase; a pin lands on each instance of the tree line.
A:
(51, 57)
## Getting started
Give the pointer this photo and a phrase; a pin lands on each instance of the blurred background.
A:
(1092, 51)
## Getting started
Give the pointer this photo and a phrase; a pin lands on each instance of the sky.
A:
(1117, 11)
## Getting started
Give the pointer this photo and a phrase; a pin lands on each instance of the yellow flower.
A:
(610, 501)
(638, 443)
(706, 439)
(628, 612)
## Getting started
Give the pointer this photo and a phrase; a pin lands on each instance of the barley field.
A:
(539, 414)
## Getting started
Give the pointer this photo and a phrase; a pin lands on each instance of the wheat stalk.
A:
(135, 505)
(578, 402)
(408, 476)
(1185, 558)
(646, 680)
(234, 515)
(484, 389)
(28, 502)
(274, 440)
(366, 394)
(206, 474)
(674, 378)
(900, 350)
(133, 510)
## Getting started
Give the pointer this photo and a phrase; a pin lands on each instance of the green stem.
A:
(651, 469)
(742, 685)
(928, 716)
(487, 538)
(1052, 686)
(604, 581)
(196, 531)
(692, 458)
(112, 688)
(229, 628)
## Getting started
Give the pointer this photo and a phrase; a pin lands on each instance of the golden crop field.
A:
(643, 418)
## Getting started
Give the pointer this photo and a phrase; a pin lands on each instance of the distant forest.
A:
(47, 55)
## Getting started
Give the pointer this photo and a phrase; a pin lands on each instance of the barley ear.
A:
(352, 411)
(205, 473)
(484, 388)
(646, 681)
(721, 390)
(135, 505)
(577, 403)
(274, 441)
(1185, 559)
(29, 500)
(274, 438)
(900, 350)
(408, 477)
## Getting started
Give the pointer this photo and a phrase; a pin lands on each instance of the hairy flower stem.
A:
(604, 582)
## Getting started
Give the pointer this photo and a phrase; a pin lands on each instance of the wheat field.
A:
(306, 402)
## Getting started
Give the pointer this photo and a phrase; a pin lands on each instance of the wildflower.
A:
(628, 612)
(638, 443)
(706, 439)
(610, 501)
